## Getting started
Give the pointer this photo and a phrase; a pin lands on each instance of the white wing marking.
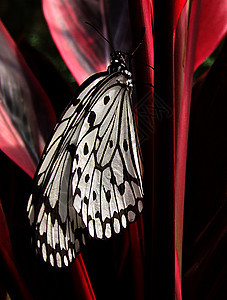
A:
(43, 225)
(55, 234)
(117, 168)
(128, 196)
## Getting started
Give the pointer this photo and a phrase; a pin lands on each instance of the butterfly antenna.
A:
(101, 35)
(143, 63)
(131, 54)
(140, 43)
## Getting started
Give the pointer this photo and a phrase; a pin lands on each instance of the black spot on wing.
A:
(79, 172)
(106, 99)
(98, 215)
(108, 196)
(125, 145)
(76, 101)
(78, 192)
(94, 195)
(112, 178)
(72, 149)
(79, 108)
(111, 143)
(86, 150)
(87, 177)
(91, 118)
(121, 188)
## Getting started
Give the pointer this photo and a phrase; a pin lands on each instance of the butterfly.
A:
(89, 179)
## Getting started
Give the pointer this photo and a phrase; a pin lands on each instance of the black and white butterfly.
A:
(89, 178)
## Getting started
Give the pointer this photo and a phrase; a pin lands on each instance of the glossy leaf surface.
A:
(26, 116)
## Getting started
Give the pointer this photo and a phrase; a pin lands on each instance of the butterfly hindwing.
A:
(59, 230)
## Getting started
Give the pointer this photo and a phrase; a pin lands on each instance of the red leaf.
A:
(83, 50)
(190, 43)
(16, 285)
(137, 254)
(183, 103)
(179, 59)
(212, 29)
(206, 201)
(141, 13)
(13, 146)
(81, 280)
(177, 10)
(178, 294)
(4, 236)
(26, 116)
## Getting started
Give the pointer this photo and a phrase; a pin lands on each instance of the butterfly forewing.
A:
(106, 176)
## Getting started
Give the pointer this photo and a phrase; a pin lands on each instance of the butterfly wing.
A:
(107, 169)
(90, 173)
(59, 230)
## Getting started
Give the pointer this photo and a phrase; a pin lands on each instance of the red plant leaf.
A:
(82, 284)
(194, 42)
(136, 239)
(13, 146)
(141, 13)
(26, 116)
(83, 50)
(212, 29)
(178, 294)
(177, 10)
(17, 285)
(206, 201)
(182, 120)
(4, 236)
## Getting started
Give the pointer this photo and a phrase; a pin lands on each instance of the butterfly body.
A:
(89, 178)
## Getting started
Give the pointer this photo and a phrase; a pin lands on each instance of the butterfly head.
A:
(117, 63)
